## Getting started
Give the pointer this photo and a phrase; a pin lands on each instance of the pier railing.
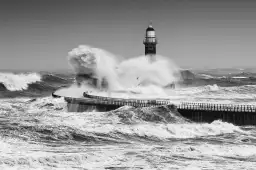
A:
(217, 107)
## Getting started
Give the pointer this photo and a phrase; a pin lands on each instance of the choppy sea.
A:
(37, 132)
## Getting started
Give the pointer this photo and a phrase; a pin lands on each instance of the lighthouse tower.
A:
(150, 42)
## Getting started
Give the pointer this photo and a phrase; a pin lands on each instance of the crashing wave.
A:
(18, 82)
(99, 68)
(160, 114)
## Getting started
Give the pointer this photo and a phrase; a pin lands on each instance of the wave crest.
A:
(18, 82)
(160, 114)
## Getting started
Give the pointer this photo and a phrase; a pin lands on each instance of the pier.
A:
(197, 112)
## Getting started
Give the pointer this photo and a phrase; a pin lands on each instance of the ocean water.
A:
(37, 132)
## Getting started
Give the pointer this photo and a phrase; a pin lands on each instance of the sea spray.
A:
(140, 71)
(134, 74)
(95, 63)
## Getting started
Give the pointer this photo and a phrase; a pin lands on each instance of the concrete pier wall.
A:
(205, 112)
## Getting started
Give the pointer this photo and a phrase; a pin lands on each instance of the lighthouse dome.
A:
(150, 28)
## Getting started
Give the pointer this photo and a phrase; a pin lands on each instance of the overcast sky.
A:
(38, 34)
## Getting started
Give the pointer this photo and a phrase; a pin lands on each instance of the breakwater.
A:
(198, 112)
(106, 104)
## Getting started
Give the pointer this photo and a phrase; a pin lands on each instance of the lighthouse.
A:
(150, 42)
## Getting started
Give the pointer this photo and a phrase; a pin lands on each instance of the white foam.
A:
(206, 76)
(17, 82)
(110, 124)
(239, 77)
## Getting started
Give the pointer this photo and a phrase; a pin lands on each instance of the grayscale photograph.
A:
(127, 85)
